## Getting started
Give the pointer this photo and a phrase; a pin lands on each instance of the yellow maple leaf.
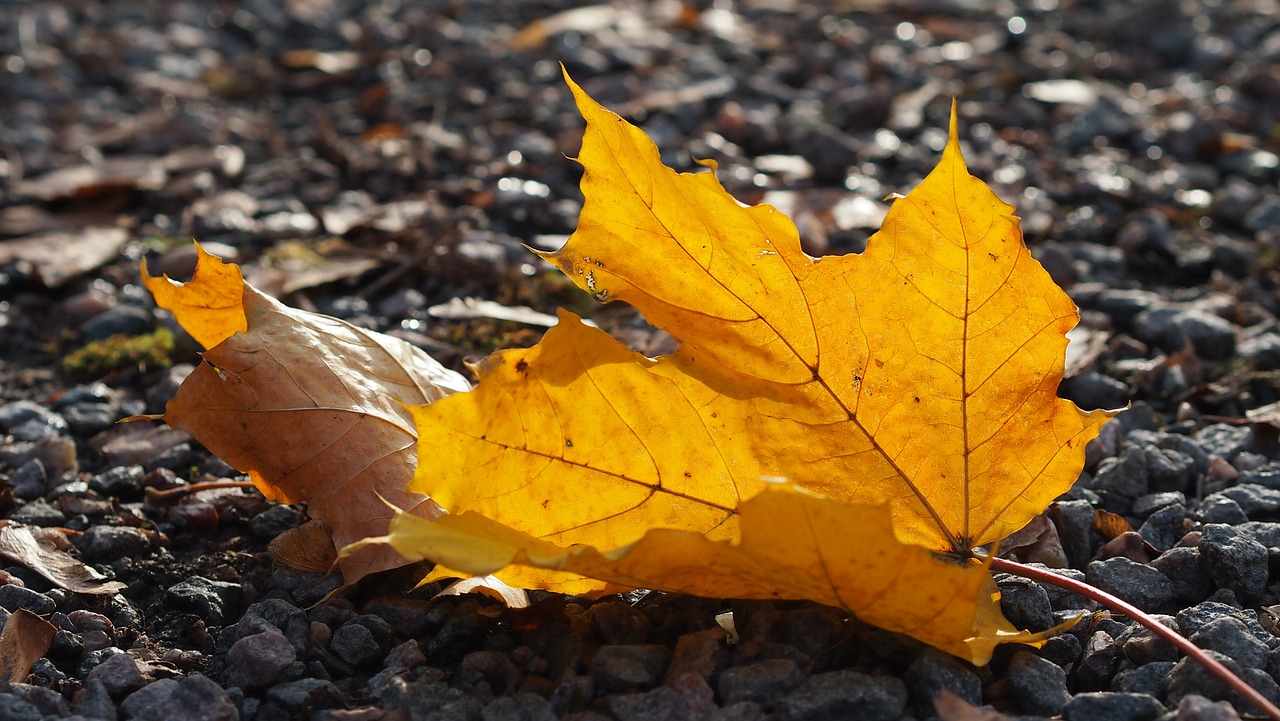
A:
(311, 407)
(919, 377)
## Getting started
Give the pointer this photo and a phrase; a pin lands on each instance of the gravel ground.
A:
(376, 161)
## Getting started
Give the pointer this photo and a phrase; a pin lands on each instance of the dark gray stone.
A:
(1264, 532)
(493, 669)
(120, 673)
(1142, 646)
(1172, 327)
(764, 682)
(1218, 508)
(629, 667)
(427, 698)
(1224, 440)
(258, 660)
(1074, 520)
(1189, 677)
(1192, 619)
(618, 623)
(272, 613)
(194, 698)
(14, 597)
(1137, 583)
(1165, 527)
(208, 599)
(1024, 602)
(1039, 686)
(355, 644)
(1092, 389)
(1229, 636)
(15, 708)
(1256, 501)
(1144, 506)
(310, 693)
(274, 521)
(1187, 570)
(30, 481)
(1104, 706)
(1125, 475)
(38, 513)
(1193, 707)
(1261, 351)
(95, 701)
(522, 707)
(1151, 679)
(844, 694)
(116, 320)
(1170, 470)
(109, 543)
(813, 630)
(16, 413)
(87, 419)
(931, 673)
(119, 481)
(660, 704)
(1235, 561)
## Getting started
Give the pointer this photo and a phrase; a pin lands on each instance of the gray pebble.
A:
(15, 708)
(148, 697)
(932, 672)
(120, 481)
(627, 667)
(1193, 707)
(1256, 501)
(14, 597)
(120, 674)
(313, 693)
(1224, 440)
(422, 698)
(1172, 327)
(117, 320)
(355, 644)
(1192, 619)
(1141, 646)
(275, 520)
(1235, 561)
(1185, 568)
(844, 694)
(1144, 506)
(95, 701)
(1265, 532)
(522, 707)
(1039, 686)
(660, 704)
(1229, 636)
(1025, 603)
(38, 513)
(258, 660)
(1137, 583)
(30, 481)
(1165, 527)
(1125, 475)
(764, 682)
(1104, 706)
(1218, 508)
(109, 543)
(618, 623)
(205, 598)
(271, 613)
(1261, 351)
(16, 413)
(87, 419)
(1092, 389)
(1151, 679)
(494, 669)
(194, 698)
(1170, 470)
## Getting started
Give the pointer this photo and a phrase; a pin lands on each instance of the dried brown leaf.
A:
(25, 638)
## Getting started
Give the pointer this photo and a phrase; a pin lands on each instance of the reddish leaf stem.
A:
(1116, 604)
(157, 497)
